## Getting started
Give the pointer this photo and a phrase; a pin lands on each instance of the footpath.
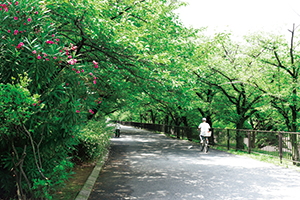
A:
(146, 165)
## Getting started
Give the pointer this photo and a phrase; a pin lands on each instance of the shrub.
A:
(93, 142)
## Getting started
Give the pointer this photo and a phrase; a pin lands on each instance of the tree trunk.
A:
(253, 139)
(167, 120)
(141, 118)
(153, 116)
(240, 135)
(294, 138)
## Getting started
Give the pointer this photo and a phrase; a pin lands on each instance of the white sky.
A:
(241, 16)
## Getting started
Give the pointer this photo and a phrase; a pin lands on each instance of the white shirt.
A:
(118, 126)
(204, 128)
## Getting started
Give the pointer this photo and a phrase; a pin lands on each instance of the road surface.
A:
(146, 165)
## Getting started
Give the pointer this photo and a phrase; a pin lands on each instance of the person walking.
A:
(118, 130)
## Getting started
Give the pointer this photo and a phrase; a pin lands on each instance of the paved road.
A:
(144, 165)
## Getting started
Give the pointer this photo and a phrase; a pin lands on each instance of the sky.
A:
(241, 16)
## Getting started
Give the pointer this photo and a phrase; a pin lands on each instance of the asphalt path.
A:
(146, 165)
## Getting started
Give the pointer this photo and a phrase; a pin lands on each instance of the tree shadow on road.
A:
(144, 165)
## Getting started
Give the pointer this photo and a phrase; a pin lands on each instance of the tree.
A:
(280, 60)
(226, 73)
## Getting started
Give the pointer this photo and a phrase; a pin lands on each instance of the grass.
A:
(76, 182)
(261, 157)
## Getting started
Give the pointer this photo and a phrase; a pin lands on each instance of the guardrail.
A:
(275, 143)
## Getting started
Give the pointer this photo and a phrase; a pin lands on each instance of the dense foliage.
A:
(66, 65)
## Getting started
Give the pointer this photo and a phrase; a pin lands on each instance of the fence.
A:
(277, 144)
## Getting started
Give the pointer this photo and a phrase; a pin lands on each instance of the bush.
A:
(44, 96)
(93, 142)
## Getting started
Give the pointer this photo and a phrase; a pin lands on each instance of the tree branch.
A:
(121, 13)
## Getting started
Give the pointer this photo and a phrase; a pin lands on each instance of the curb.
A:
(89, 184)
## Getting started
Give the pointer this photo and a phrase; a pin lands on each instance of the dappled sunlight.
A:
(147, 165)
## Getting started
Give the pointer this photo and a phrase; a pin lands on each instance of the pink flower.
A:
(94, 82)
(16, 3)
(73, 136)
(73, 69)
(78, 72)
(67, 83)
(51, 23)
(36, 12)
(34, 51)
(72, 62)
(96, 66)
(16, 32)
(45, 54)
(90, 110)
(82, 70)
(15, 18)
(94, 77)
(77, 111)
(49, 42)
(69, 56)
(21, 31)
(34, 104)
(39, 57)
(94, 62)
(20, 45)
(5, 7)
(91, 73)
(18, 12)
(99, 102)
(24, 23)
(53, 35)
(60, 50)
(55, 57)
(9, 3)
(8, 31)
(29, 19)
(73, 47)
(57, 40)
(47, 59)
(67, 52)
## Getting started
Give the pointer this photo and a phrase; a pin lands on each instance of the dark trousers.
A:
(117, 132)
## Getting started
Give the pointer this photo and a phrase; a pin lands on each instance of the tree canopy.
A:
(65, 63)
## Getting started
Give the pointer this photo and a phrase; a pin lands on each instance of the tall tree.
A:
(280, 80)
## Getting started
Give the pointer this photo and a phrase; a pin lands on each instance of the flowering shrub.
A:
(44, 98)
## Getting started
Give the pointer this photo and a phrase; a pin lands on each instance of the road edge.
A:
(89, 184)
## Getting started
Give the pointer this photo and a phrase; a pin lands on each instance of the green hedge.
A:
(93, 142)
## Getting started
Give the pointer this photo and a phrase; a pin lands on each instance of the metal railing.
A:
(275, 143)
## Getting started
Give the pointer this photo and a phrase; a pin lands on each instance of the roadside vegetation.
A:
(66, 66)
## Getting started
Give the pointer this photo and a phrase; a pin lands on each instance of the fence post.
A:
(249, 142)
(228, 139)
(280, 146)
(212, 137)
(188, 133)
